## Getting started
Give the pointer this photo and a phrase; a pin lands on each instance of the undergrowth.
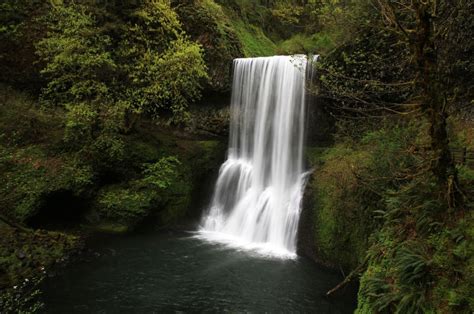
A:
(378, 203)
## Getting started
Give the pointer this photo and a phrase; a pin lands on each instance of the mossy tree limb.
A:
(14, 224)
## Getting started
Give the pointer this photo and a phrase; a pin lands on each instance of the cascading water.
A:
(257, 197)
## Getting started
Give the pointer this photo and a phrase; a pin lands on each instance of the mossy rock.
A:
(121, 207)
(25, 254)
(331, 205)
(31, 176)
(112, 228)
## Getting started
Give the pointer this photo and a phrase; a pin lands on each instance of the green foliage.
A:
(162, 173)
(105, 79)
(378, 286)
(23, 298)
(18, 33)
(79, 68)
(123, 205)
(410, 273)
(24, 259)
(163, 67)
(337, 205)
(31, 165)
(21, 123)
(287, 14)
(179, 70)
(128, 204)
(349, 185)
(278, 19)
(301, 43)
(207, 23)
(77, 57)
(30, 176)
(134, 177)
(107, 151)
(364, 77)
(10, 21)
(466, 174)
(340, 20)
(254, 42)
(375, 198)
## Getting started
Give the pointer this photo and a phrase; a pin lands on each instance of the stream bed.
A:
(176, 272)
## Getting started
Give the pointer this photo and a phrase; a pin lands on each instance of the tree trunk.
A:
(433, 102)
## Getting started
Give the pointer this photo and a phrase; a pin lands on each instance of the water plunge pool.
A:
(175, 272)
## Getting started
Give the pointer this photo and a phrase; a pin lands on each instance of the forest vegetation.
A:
(115, 112)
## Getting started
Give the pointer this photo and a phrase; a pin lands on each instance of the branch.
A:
(388, 13)
(14, 224)
(349, 278)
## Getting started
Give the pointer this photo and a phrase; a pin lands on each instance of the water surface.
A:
(173, 272)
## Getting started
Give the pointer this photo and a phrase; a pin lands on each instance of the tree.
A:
(400, 62)
(426, 26)
(19, 30)
(163, 68)
(79, 69)
(109, 65)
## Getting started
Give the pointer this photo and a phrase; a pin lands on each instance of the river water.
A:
(177, 272)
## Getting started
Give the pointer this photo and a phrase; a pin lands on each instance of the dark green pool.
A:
(174, 272)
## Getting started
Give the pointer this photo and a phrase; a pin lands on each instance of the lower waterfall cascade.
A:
(257, 197)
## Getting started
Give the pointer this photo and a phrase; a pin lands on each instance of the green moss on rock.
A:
(338, 238)
(25, 255)
(31, 175)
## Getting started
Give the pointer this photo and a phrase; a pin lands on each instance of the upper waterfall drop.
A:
(257, 197)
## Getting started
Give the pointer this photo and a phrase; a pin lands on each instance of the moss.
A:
(142, 151)
(418, 253)
(112, 227)
(22, 124)
(301, 44)
(203, 159)
(338, 240)
(25, 257)
(123, 191)
(31, 175)
(32, 163)
(175, 201)
(26, 254)
(254, 41)
(121, 207)
(315, 155)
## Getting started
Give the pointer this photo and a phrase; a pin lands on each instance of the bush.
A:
(376, 201)
(120, 204)
(105, 79)
(129, 203)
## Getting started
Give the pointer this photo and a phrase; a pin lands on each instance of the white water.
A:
(257, 197)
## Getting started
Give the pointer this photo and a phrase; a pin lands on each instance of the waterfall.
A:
(257, 196)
